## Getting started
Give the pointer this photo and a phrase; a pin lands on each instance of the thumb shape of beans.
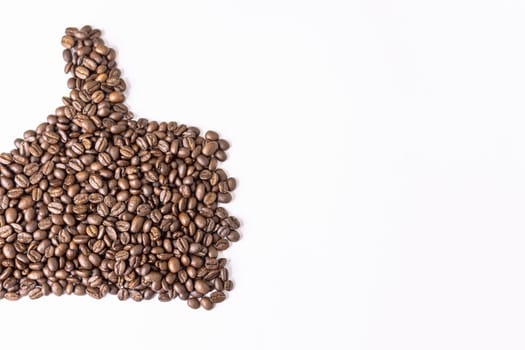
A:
(94, 201)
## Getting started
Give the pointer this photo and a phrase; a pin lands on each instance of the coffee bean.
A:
(35, 293)
(10, 215)
(194, 303)
(206, 303)
(81, 72)
(5, 231)
(9, 251)
(122, 226)
(116, 97)
(201, 286)
(210, 148)
(120, 267)
(184, 219)
(12, 296)
(68, 41)
(217, 297)
(136, 224)
(96, 181)
(123, 294)
(209, 198)
(55, 207)
(228, 285)
(21, 180)
(35, 275)
(224, 197)
(211, 135)
(174, 265)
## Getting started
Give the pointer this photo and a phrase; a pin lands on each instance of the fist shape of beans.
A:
(94, 201)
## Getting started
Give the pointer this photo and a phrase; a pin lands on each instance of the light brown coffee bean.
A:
(206, 303)
(116, 97)
(201, 286)
(9, 251)
(81, 72)
(96, 181)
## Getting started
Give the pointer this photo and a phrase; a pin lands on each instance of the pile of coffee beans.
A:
(96, 202)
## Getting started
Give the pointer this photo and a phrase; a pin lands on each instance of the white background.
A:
(380, 152)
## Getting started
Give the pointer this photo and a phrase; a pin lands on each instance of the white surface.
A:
(380, 152)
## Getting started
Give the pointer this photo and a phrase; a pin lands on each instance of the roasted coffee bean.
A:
(96, 181)
(206, 303)
(96, 202)
(210, 148)
(209, 198)
(201, 286)
(9, 251)
(174, 265)
(35, 293)
(81, 72)
(217, 297)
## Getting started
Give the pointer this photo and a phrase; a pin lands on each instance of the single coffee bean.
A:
(12, 296)
(210, 148)
(194, 303)
(174, 265)
(206, 303)
(210, 198)
(116, 97)
(68, 42)
(96, 181)
(10, 215)
(9, 251)
(201, 286)
(211, 135)
(81, 72)
(35, 293)
(217, 297)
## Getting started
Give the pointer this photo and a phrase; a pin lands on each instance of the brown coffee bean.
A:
(206, 303)
(120, 267)
(136, 224)
(35, 293)
(116, 97)
(9, 251)
(68, 41)
(210, 198)
(174, 265)
(194, 303)
(35, 275)
(201, 286)
(122, 226)
(12, 296)
(217, 297)
(10, 215)
(5, 231)
(212, 135)
(210, 148)
(228, 285)
(81, 72)
(55, 207)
